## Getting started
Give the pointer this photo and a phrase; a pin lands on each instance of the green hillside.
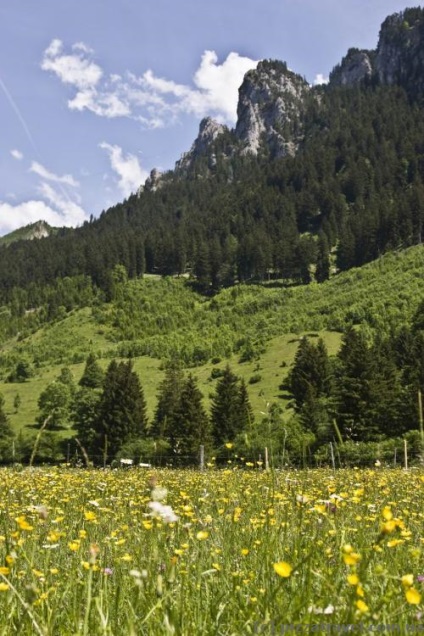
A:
(254, 328)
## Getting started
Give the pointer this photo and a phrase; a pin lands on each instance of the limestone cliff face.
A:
(153, 182)
(209, 131)
(273, 100)
(270, 108)
(400, 51)
(353, 69)
(398, 59)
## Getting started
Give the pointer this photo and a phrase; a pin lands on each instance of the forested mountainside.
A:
(306, 171)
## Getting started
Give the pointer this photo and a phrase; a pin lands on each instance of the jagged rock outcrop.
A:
(398, 59)
(40, 229)
(152, 182)
(354, 68)
(400, 51)
(270, 109)
(209, 130)
(273, 100)
(37, 230)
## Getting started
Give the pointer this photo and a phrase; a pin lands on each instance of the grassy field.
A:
(267, 371)
(216, 553)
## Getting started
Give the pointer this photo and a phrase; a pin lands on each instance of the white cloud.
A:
(17, 154)
(131, 175)
(60, 213)
(75, 69)
(42, 172)
(102, 104)
(320, 79)
(153, 101)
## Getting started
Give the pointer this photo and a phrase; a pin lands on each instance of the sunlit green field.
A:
(219, 552)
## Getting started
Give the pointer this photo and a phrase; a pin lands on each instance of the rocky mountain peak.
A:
(398, 59)
(353, 69)
(152, 183)
(209, 130)
(400, 51)
(271, 103)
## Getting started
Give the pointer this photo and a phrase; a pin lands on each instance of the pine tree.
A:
(191, 424)
(5, 427)
(169, 395)
(353, 380)
(245, 408)
(311, 372)
(84, 414)
(322, 271)
(227, 421)
(122, 410)
(6, 435)
(93, 374)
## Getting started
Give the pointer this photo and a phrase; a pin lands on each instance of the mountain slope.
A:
(37, 230)
(306, 172)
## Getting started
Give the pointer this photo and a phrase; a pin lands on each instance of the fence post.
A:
(266, 459)
(333, 461)
(105, 453)
(405, 452)
(202, 457)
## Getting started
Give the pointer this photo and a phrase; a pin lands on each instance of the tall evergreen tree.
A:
(322, 271)
(169, 396)
(6, 434)
(93, 374)
(227, 418)
(353, 381)
(311, 373)
(122, 410)
(191, 424)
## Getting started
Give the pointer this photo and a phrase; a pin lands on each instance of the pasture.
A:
(233, 551)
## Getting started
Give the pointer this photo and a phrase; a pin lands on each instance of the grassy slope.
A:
(380, 295)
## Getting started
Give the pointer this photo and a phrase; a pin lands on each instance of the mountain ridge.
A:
(310, 181)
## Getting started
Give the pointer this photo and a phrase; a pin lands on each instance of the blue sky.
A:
(96, 93)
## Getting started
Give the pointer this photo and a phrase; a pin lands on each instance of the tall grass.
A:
(86, 552)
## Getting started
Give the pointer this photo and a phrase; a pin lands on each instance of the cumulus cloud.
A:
(17, 154)
(153, 101)
(76, 68)
(320, 79)
(127, 167)
(42, 172)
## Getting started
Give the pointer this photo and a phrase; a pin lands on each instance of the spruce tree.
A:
(6, 434)
(322, 271)
(93, 374)
(191, 424)
(122, 410)
(353, 381)
(226, 418)
(168, 402)
(310, 372)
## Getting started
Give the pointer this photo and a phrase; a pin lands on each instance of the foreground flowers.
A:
(213, 552)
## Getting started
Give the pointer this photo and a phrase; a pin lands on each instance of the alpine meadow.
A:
(211, 416)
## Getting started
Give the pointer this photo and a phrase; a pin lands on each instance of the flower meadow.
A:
(215, 552)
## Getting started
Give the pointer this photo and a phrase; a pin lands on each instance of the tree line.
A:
(107, 411)
(365, 396)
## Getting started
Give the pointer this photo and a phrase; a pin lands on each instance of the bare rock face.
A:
(39, 230)
(152, 183)
(400, 51)
(270, 109)
(398, 59)
(353, 69)
(209, 130)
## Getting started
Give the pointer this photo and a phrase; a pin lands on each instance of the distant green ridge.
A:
(36, 230)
